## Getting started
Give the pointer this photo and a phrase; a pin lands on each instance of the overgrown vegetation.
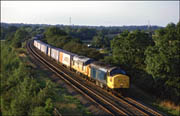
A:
(26, 90)
(21, 94)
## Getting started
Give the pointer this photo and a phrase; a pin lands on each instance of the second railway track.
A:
(112, 104)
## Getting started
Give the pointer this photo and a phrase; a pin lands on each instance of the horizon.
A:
(91, 13)
(80, 25)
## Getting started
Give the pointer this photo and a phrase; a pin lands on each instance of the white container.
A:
(35, 43)
(44, 48)
(66, 59)
(38, 45)
(55, 54)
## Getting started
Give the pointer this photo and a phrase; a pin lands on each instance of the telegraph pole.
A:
(149, 28)
(148, 25)
(70, 21)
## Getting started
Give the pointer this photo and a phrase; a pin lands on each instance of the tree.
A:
(54, 31)
(97, 41)
(128, 48)
(19, 37)
(163, 60)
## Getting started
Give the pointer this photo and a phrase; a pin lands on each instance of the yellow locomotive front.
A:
(117, 79)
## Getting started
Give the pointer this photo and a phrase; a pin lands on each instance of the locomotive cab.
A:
(117, 79)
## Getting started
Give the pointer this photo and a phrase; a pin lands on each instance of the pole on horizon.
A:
(149, 26)
(70, 21)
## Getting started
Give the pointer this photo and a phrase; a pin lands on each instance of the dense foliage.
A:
(153, 62)
(6, 33)
(59, 38)
(21, 94)
(101, 42)
(163, 61)
(128, 48)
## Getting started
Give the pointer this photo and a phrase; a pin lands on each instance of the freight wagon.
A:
(44, 47)
(35, 43)
(55, 53)
(66, 58)
(39, 44)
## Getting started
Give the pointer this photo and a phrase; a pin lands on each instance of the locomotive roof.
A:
(102, 66)
(81, 58)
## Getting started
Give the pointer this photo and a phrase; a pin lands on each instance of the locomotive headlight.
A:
(121, 84)
(111, 79)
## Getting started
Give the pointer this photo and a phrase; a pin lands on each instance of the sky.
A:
(93, 13)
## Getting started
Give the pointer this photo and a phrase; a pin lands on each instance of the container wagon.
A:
(55, 53)
(44, 48)
(66, 58)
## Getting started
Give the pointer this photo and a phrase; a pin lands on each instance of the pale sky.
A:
(96, 13)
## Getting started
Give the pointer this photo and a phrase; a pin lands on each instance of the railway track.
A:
(110, 103)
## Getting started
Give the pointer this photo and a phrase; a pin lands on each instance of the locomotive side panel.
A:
(98, 75)
(78, 66)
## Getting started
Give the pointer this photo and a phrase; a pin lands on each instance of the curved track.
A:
(110, 103)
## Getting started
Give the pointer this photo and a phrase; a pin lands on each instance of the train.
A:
(105, 76)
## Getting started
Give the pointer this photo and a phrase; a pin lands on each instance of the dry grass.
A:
(69, 105)
(22, 55)
(169, 105)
